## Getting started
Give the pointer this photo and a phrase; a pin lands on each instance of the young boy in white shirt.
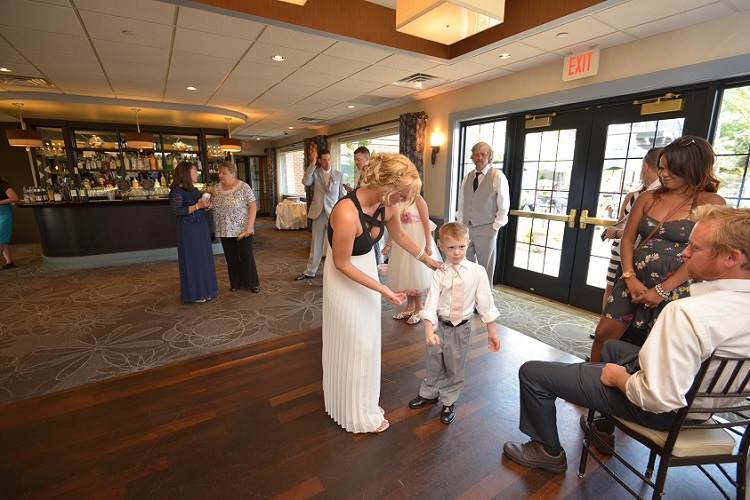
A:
(445, 355)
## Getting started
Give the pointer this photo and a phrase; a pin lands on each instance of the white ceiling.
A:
(106, 56)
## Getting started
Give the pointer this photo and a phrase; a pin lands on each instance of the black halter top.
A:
(364, 242)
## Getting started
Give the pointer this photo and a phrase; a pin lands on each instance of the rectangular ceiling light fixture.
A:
(295, 2)
(447, 21)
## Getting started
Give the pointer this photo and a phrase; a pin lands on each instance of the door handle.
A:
(570, 218)
(585, 220)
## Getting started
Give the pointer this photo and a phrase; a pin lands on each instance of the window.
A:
(732, 146)
(382, 141)
(291, 170)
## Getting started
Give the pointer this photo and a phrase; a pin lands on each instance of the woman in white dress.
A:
(404, 273)
(351, 291)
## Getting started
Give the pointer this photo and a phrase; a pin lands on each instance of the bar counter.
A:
(105, 232)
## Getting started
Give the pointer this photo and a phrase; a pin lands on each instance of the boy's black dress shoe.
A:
(303, 277)
(419, 402)
(448, 414)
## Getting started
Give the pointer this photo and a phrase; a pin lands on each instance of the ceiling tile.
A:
(518, 51)
(681, 20)
(249, 70)
(245, 88)
(486, 76)
(334, 66)
(261, 53)
(407, 63)
(347, 89)
(45, 60)
(41, 41)
(457, 70)
(210, 22)
(209, 44)
(43, 17)
(274, 35)
(533, 62)
(200, 79)
(187, 60)
(145, 10)
(356, 52)
(393, 91)
(630, 14)
(112, 51)
(142, 33)
(130, 69)
(23, 69)
(381, 74)
(578, 31)
(310, 79)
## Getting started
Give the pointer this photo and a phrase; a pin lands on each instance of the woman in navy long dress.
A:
(194, 253)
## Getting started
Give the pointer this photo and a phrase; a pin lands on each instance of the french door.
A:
(570, 171)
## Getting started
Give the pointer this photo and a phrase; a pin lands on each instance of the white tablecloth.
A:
(291, 215)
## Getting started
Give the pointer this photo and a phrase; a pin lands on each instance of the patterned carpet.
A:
(59, 329)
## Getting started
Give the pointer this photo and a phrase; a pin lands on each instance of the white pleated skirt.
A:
(351, 347)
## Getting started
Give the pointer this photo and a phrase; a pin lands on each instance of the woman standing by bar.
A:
(234, 217)
(194, 253)
(7, 198)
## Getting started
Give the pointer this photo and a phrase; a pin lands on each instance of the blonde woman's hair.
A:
(730, 228)
(393, 172)
(229, 166)
(454, 230)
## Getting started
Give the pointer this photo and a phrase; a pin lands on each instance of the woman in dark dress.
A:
(194, 253)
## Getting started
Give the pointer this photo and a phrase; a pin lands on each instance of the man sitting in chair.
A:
(647, 387)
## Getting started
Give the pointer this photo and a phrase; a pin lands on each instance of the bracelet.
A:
(660, 290)
(420, 255)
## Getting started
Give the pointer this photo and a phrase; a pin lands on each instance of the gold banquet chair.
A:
(718, 440)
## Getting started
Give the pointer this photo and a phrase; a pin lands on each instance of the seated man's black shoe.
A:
(604, 430)
(255, 289)
(592, 335)
(302, 277)
(448, 414)
(419, 402)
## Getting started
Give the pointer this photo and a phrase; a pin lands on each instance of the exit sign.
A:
(581, 65)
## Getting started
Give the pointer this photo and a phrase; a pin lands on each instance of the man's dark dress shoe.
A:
(255, 289)
(448, 414)
(604, 430)
(532, 455)
(419, 402)
(303, 277)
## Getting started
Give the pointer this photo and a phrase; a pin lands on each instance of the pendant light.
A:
(139, 140)
(23, 138)
(228, 144)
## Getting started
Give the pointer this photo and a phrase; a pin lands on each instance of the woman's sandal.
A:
(381, 410)
(383, 426)
(415, 318)
(403, 315)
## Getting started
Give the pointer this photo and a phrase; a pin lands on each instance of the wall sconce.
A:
(436, 139)
(23, 138)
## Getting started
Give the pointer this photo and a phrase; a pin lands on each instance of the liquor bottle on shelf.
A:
(74, 193)
(127, 162)
(56, 196)
(152, 162)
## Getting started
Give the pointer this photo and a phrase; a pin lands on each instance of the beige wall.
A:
(619, 66)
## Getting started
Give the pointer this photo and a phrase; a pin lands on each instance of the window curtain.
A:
(271, 174)
(312, 145)
(411, 138)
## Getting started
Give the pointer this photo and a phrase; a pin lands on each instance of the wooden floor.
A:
(250, 423)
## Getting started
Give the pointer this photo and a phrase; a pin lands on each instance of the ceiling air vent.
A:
(308, 119)
(419, 81)
(25, 81)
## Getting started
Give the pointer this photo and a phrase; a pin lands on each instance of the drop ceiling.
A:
(104, 57)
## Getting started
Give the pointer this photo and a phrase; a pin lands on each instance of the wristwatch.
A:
(628, 274)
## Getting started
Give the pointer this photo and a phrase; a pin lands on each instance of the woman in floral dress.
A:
(657, 273)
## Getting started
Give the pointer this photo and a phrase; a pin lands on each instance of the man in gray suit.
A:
(328, 187)
(483, 201)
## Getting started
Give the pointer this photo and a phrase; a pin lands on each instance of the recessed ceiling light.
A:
(6, 70)
(257, 138)
(290, 128)
(562, 34)
(191, 88)
(504, 55)
(277, 58)
(128, 32)
(351, 106)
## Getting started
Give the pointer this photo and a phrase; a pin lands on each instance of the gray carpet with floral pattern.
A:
(59, 329)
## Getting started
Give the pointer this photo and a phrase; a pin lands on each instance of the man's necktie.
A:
(327, 179)
(457, 298)
(476, 181)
